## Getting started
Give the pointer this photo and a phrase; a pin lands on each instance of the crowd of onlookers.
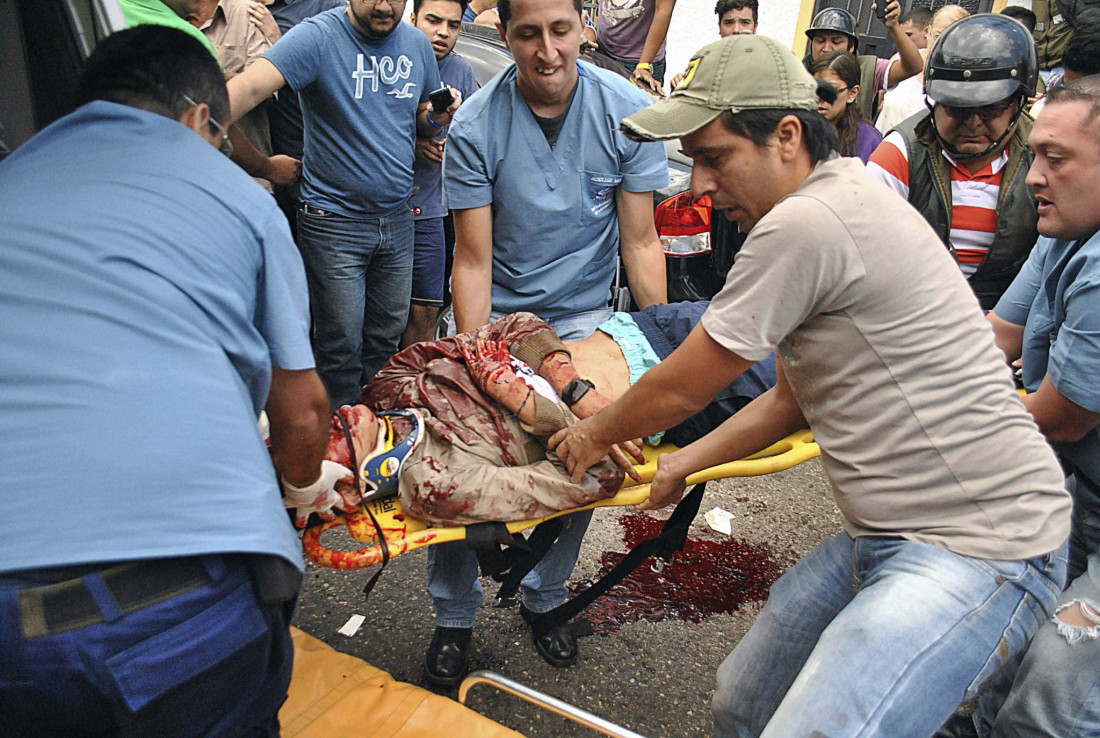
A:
(161, 289)
(865, 97)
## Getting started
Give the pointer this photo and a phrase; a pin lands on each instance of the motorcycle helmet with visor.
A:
(981, 60)
(835, 20)
(981, 65)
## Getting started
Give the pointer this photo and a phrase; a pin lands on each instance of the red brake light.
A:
(683, 215)
(683, 224)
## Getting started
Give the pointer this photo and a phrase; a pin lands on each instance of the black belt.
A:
(71, 604)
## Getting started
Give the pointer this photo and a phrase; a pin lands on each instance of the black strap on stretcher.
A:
(382, 542)
(508, 557)
(520, 555)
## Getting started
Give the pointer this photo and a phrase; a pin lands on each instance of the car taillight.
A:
(683, 223)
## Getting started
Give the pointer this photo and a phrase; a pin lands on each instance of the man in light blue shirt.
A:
(363, 78)
(153, 305)
(1050, 315)
(546, 194)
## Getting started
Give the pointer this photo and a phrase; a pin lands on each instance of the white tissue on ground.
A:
(719, 520)
(351, 627)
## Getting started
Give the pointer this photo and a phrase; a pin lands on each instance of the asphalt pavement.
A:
(659, 636)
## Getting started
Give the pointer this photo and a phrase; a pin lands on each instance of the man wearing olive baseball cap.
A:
(955, 515)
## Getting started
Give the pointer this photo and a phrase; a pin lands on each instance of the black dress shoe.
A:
(445, 663)
(558, 647)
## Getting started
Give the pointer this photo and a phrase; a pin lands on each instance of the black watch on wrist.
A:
(575, 390)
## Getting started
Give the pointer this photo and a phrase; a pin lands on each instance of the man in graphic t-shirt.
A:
(363, 78)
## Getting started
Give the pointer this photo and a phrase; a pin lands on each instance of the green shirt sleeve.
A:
(154, 12)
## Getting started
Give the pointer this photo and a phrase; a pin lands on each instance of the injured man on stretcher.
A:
(464, 420)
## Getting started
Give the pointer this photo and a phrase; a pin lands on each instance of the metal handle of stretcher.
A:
(543, 700)
(404, 532)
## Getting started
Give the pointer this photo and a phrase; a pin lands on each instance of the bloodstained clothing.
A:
(477, 462)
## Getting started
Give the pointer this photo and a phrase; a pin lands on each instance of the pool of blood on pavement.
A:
(705, 578)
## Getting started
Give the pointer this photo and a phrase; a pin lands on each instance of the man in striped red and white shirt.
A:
(963, 164)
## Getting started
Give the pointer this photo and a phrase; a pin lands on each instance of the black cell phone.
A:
(880, 9)
(441, 99)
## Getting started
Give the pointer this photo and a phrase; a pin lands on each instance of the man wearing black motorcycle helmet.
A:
(834, 29)
(963, 163)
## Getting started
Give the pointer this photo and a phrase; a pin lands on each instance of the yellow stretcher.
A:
(405, 533)
(336, 695)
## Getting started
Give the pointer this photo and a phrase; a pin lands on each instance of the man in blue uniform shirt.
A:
(153, 305)
(363, 78)
(1050, 315)
(546, 193)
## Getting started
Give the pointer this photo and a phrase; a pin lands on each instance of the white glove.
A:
(319, 497)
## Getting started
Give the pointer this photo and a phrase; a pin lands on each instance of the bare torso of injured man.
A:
(480, 451)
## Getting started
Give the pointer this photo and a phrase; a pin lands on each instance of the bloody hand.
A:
(490, 365)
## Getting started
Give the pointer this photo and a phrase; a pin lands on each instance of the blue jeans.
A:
(211, 661)
(1057, 689)
(360, 280)
(865, 636)
(452, 567)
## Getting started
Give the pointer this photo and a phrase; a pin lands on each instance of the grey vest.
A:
(930, 193)
(867, 99)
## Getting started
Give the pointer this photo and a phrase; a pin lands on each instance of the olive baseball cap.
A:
(742, 72)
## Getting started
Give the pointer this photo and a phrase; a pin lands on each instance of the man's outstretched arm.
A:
(770, 417)
(251, 87)
(278, 169)
(257, 83)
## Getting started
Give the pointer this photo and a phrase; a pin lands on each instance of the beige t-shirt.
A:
(239, 43)
(893, 365)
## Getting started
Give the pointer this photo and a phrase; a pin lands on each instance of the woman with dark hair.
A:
(856, 136)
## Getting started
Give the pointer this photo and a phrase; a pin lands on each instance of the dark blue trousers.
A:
(212, 661)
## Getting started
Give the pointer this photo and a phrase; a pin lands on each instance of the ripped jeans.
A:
(1057, 689)
(880, 636)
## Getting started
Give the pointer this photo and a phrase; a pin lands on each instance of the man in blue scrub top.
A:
(363, 78)
(153, 305)
(1050, 315)
(546, 193)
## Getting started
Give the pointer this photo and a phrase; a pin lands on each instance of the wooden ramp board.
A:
(406, 533)
(336, 695)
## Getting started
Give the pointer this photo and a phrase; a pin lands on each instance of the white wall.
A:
(695, 25)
